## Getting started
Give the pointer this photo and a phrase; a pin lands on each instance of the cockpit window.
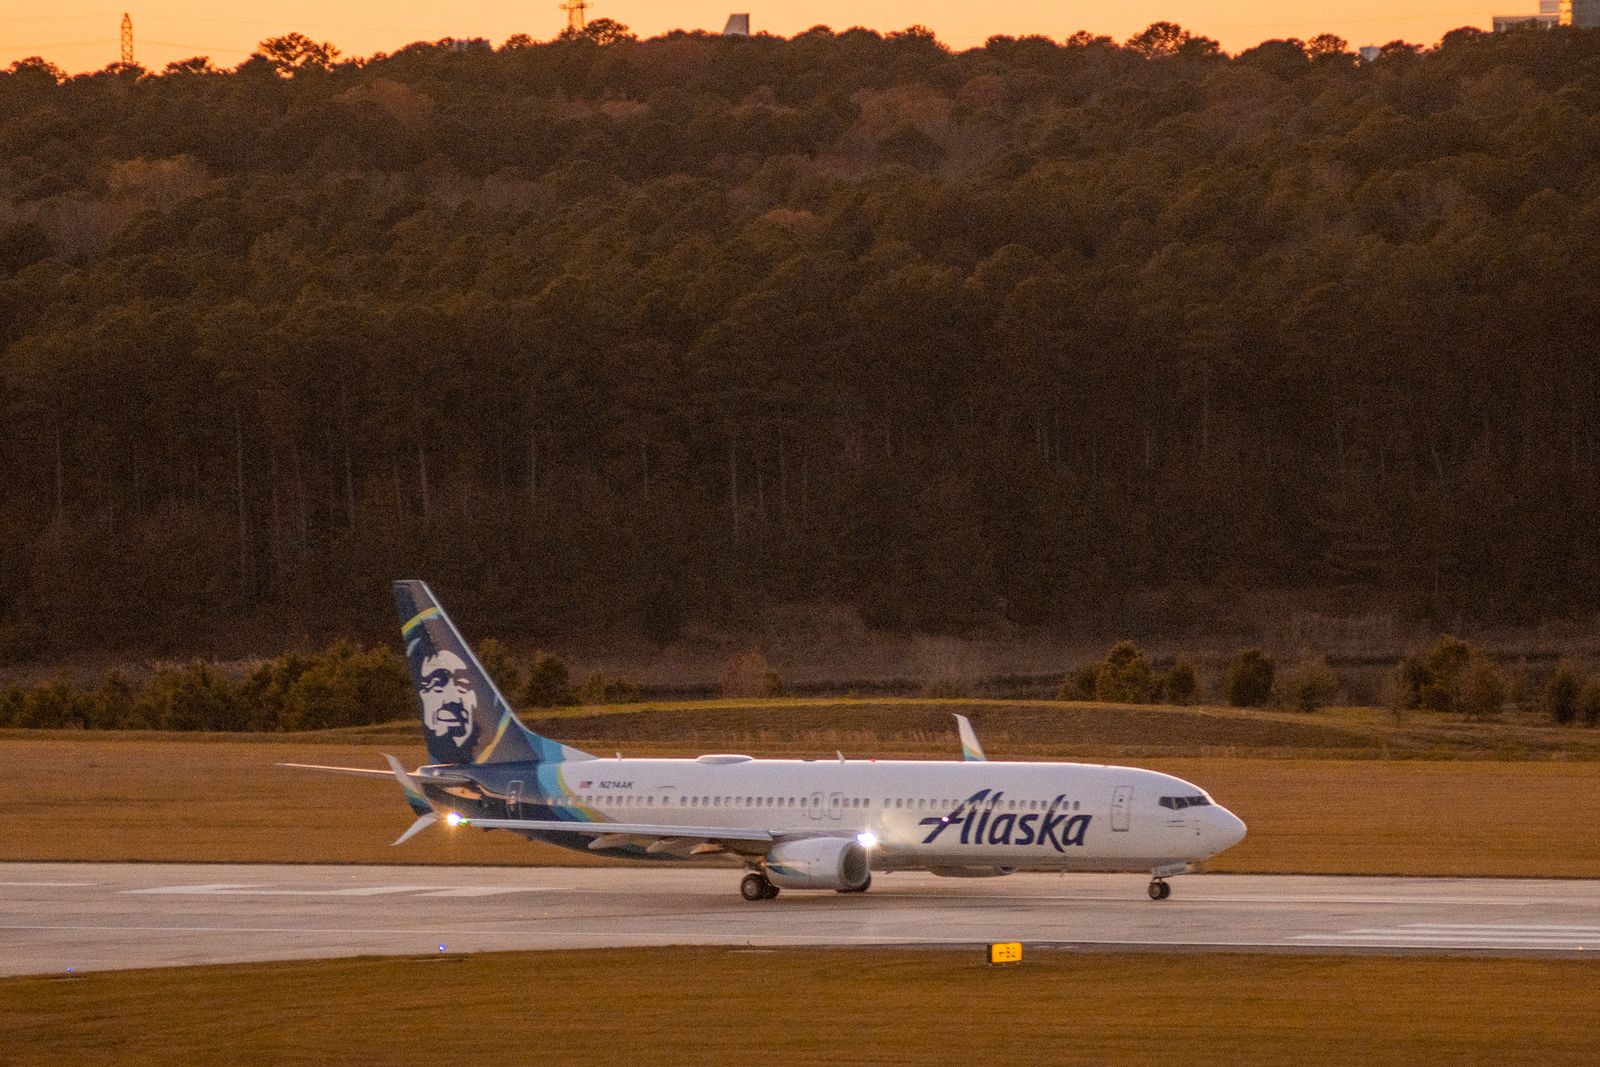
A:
(1179, 803)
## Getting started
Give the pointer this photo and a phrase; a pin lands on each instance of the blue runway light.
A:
(441, 948)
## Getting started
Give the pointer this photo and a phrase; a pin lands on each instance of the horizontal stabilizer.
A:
(388, 776)
(423, 822)
(362, 772)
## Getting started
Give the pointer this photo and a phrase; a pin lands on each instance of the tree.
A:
(1328, 48)
(1561, 692)
(1307, 685)
(601, 32)
(1124, 676)
(1159, 40)
(1179, 685)
(195, 65)
(294, 53)
(549, 684)
(1250, 677)
(1484, 687)
(36, 70)
(499, 664)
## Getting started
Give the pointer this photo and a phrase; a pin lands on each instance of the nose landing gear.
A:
(1159, 889)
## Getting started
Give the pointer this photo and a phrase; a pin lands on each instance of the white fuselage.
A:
(956, 816)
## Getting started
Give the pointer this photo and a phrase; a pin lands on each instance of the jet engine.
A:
(838, 863)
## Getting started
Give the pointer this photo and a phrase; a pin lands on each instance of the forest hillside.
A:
(611, 336)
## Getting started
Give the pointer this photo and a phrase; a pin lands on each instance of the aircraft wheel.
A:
(772, 892)
(1160, 890)
(756, 887)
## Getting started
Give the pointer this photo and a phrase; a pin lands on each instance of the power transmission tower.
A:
(127, 39)
(575, 14)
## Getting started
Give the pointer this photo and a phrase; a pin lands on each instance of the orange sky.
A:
(83, 34)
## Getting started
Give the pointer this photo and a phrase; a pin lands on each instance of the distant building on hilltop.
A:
(1584, 13)
(738, 26)
(1553, 13)
(1369, 53)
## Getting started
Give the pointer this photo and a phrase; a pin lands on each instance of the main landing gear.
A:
(1159, 889)
(755, 886)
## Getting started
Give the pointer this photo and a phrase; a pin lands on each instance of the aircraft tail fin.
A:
(464, 717)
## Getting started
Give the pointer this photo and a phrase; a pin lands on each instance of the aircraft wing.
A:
(621, 829)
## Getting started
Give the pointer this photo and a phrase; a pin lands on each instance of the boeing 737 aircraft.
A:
(796, 824)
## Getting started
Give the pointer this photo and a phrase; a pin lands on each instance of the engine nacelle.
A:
(971, 872)
(818, 863)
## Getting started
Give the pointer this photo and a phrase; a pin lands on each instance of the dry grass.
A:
(1058, 729)
(83, 797)
(716, 1006)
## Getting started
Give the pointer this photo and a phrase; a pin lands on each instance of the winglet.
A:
(970, 749)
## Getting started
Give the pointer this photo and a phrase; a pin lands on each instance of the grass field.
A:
(184, 798)
(716, 1006)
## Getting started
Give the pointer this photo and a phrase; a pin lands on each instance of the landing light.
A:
(454, 818)
(867, 839)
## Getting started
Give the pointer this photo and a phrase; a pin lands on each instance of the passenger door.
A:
(835, 806)
(1121, 807)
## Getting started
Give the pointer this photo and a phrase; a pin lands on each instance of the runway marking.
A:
(247, 889)
(50, 885)
(1496, 935)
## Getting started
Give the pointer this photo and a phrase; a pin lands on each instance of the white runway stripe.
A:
(1464, 935)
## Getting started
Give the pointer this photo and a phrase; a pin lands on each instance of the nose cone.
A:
(1227, 828)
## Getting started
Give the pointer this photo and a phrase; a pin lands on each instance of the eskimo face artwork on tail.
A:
(447, 697)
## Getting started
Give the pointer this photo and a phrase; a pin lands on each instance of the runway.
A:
(90, 917)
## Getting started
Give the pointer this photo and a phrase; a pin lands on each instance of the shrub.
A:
(346, 685)
(498, 664)
(1561, 692)
(1308, 685)
(549, 685)
(192, 697)
(1179, 685)
(1440, 674)
(114, 704)
(57, 705)
(1078, 684)
(1250, 675)
(1589, 703)
(1124, 676)
(602, 690)
(1436, 679)
(11, 702)
(745, 675)
(265, 691)
(1484, 687)
(1396, 692)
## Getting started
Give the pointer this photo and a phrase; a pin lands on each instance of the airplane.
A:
(822, 824)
